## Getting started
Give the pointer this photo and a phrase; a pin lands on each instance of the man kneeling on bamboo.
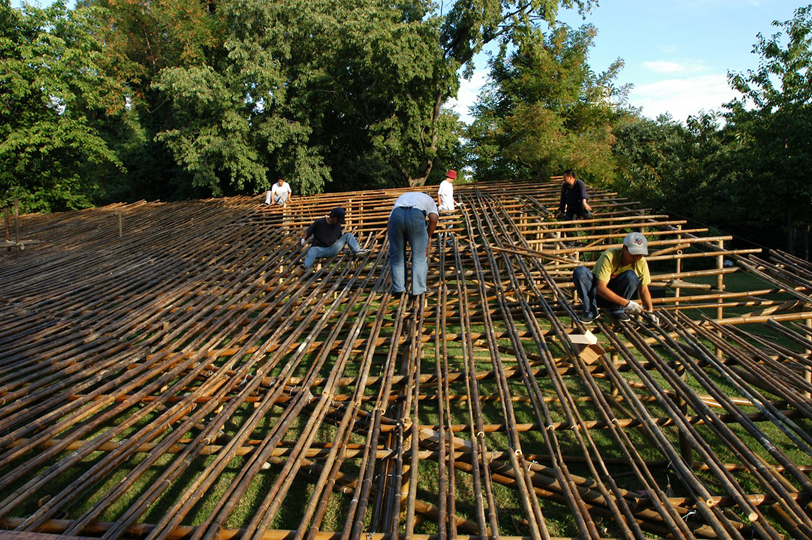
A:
(614, 280)
(329, 239)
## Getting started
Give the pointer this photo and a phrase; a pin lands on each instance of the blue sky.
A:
(677, 52)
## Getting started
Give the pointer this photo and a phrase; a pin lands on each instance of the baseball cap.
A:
(451, 174)
(636, 243)
(337, 213)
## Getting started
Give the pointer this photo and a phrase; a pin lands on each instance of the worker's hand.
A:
(634, 308)
(655, 320)
(301, 241)
(559, 215)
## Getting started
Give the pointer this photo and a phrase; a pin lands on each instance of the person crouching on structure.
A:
(573, 200)
(280, 192)
(407, 223)
(612, 282)
(329, 239)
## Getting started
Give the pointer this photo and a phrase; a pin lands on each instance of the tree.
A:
(772, 121)
(546, 110)
(688, 170)
(54, 85)
(359, 89)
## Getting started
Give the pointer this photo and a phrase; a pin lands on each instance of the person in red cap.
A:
(329, 239)
(445, 195)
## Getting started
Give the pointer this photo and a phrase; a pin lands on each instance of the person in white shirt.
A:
(445, 195)
(280, 192)
(407, 224)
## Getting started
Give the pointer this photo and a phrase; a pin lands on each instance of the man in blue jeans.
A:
(407, 224)
(329, 239)
(614, 279)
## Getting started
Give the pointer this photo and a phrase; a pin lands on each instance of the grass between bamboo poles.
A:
(510, 511)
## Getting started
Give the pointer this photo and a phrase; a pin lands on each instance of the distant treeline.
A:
(120, 101)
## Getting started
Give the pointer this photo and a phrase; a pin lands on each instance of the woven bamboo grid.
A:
(164, 375)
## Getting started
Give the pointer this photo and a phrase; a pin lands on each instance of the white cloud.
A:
(682, 97)
(664, 66)
(466, 97)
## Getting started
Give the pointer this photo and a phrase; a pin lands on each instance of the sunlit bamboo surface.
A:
(163, 374)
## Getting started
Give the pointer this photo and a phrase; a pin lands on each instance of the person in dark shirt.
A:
(329, 239)
(573, 198)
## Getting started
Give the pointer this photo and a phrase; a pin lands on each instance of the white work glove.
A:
(302, 241)
(634, 308)
(655, 320)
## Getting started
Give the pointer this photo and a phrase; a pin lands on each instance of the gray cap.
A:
(636, 243)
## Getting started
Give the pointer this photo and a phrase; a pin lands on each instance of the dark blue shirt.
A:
(571, 197)
(324, 234)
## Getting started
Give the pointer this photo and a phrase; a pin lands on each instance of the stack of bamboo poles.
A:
(164, 375)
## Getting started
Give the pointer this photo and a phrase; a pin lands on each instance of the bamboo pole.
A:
(191, 346)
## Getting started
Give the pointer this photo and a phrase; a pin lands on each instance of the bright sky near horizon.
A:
(677, 53)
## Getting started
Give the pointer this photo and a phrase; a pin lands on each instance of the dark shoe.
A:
(587, 319)
(361, 251)
(301, 271)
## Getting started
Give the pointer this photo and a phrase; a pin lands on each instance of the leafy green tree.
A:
(690, 171)
(772, 121)
(54, 86)
(357, 90)
(546, 110)
(141, 40)
(190, 99)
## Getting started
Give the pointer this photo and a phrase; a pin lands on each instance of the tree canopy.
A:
(56, 90)
(546, 110)
(120, 100)
(176, 99)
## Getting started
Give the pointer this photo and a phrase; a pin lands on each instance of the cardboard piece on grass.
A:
(586, 345)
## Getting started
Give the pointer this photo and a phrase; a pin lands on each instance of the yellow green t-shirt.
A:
(608, 267)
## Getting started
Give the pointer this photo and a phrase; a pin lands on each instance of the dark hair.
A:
(569, 172)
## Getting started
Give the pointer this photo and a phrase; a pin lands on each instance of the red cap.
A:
(451, 174)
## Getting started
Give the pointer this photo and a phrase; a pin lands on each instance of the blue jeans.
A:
(408, 225)
(586, 284)
(316, 252)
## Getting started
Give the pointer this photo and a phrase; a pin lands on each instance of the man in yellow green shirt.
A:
(613, 281)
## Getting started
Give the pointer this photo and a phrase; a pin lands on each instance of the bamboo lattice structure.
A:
(164, 375)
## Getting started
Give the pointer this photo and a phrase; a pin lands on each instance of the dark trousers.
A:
(624, 285)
